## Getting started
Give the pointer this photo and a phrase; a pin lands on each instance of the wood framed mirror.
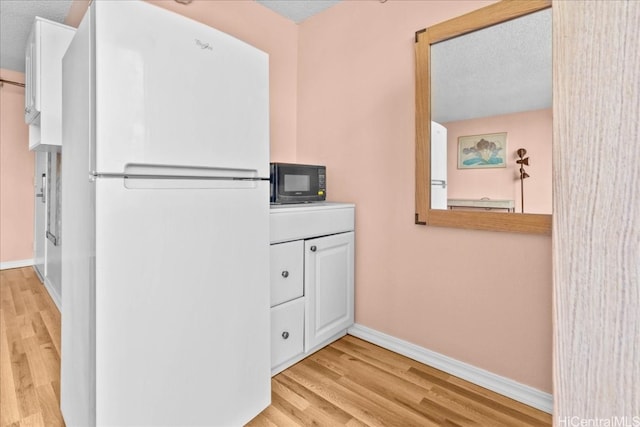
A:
(490, 16)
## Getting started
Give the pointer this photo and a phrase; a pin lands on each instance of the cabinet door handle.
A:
(44, 188)
(285, 335)
(313, 248)
(285, 274)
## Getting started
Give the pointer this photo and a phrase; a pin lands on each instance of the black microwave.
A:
(295, 183)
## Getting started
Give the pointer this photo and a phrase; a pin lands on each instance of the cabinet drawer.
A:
(286, 273)
(305, 221)
(287, 328)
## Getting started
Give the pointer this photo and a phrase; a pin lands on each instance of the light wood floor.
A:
(354, 383)
(350, 382)
(29, 352)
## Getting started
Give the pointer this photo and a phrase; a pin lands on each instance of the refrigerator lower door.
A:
(182, 303)
(439, 195)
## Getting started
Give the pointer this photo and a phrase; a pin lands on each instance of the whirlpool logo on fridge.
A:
(204, 45)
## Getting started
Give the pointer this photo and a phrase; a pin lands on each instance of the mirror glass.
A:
(491, 95)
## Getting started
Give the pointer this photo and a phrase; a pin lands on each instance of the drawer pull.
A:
(285, 335)
(285, 274)
(313, 248)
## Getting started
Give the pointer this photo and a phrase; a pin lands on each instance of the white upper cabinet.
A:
(46, 46)
(31, 108)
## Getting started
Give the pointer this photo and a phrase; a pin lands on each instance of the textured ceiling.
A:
(16, 19)
(298, 10)
(498, 70)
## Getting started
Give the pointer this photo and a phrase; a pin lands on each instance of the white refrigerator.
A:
(165, 228)
(438, 166)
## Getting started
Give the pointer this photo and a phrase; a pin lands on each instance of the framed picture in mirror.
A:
(482, 151)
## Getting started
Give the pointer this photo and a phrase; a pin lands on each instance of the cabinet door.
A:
(31, 109)
(328, 287)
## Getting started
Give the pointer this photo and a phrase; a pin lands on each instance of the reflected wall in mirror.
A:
(479, 76)
(494, 80)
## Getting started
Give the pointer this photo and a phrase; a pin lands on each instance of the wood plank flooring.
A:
(354, 383)
(349, 383)
(29, 352)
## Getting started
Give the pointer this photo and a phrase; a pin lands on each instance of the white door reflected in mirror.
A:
(439, 193)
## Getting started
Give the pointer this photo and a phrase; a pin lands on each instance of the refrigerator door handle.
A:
(187, 182)
(179, 171)
(439, 182)
(148, 176)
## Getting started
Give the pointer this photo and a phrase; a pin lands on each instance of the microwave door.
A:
(293, 183)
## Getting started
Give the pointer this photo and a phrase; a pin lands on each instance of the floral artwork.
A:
(482, 151)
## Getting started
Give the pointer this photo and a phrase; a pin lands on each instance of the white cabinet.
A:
(47, 44)
(328, 280)
(311, 279)
(31, 103)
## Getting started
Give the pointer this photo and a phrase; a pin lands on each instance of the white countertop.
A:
(312, 206)
(309, 220)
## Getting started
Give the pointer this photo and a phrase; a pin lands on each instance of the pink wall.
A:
(531, 130)
(480, 297)
(16, 174)
(255, 24)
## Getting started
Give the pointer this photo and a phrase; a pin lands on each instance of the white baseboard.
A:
(16, 264)
(505, 386)
(55, 296)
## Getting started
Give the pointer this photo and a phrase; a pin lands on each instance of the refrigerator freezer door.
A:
(438, 166)
(182, 304)
(173, 91)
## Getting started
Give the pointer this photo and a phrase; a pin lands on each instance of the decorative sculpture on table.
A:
(522, 162)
